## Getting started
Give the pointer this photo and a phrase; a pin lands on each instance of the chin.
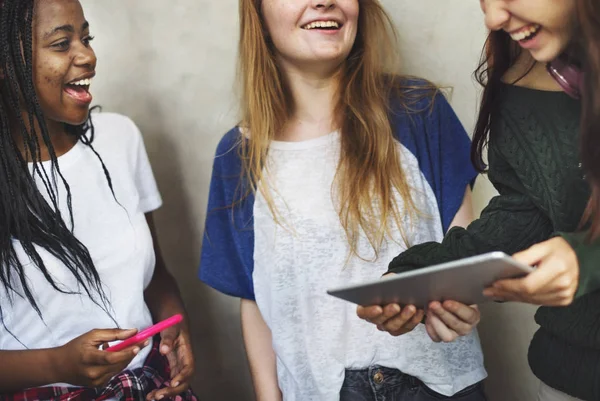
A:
(76, 118)
(547, 54)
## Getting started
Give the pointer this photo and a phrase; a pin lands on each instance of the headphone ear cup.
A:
(568, 75)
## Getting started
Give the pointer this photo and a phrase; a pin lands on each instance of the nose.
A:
(324, 3)
(496, 13)
(85, 57)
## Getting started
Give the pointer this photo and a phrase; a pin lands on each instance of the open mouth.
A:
(323, 25)
(80, 90)
(526, 34)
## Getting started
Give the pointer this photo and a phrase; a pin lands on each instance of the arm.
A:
(510, 223)
(465, 215)
(79, 362)
(162, 295)
(257, 339)
(24, 369)
(164, 300)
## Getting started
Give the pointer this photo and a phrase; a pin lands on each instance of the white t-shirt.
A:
(315, 336)
(116, 235)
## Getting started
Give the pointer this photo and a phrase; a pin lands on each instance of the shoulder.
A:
(229, 142)
(417, 100)
(114, 130)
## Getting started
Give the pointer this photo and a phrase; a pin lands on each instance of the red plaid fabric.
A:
(129, 385)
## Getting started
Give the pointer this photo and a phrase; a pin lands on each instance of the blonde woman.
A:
(336, 166)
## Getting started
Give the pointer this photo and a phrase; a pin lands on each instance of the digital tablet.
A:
(463, 281)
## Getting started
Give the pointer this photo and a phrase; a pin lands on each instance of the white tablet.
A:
(462, 280)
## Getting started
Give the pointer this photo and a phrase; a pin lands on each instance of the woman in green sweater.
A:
(533, 131)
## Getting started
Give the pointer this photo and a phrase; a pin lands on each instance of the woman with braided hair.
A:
(79, 259)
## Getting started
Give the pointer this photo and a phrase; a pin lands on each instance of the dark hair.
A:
(26, 217)
(499, 54)
(589, 23)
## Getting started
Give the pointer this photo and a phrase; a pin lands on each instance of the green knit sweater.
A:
(534, 164)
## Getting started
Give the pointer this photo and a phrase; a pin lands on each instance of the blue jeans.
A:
(384, 384)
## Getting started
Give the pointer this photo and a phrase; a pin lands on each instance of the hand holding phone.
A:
(147, 333)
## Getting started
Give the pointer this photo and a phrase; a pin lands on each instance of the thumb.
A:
(533, 255)
(102, 336)
(167, 338)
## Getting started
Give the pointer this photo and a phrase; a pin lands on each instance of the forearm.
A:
(261, 357)
(508, 225)
(20, 370)
(163, 297)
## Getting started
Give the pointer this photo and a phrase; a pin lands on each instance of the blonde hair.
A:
(370, 171)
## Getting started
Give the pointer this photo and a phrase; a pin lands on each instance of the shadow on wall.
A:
(215, 322)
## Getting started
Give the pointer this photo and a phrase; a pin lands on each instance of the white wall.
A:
(170, 66)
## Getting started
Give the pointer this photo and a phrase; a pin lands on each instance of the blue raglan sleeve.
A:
(227, 257)
(436, 137)
(448, 157)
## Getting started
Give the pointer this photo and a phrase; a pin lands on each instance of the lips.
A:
(324, 24)
(79, 89)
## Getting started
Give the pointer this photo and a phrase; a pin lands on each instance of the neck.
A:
(529, 73)
(314, 101)
(60, 140)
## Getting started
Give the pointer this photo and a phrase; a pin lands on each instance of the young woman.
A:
(335, 166)
(534, 130)
(79, 263)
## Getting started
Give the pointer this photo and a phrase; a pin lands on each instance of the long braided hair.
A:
(27, 219)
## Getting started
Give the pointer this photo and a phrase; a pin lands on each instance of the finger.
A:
(168, 392)
(443, 332)
(126, 355)
(167, 338)
(431, 331)
(533, 282)
(184, 376)
(389, 312)
(468, 314)
(400, 320)
(100, 336)
(450, 320)
(369, 312)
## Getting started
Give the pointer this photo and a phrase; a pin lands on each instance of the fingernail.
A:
(136, 350)
(396, 308)
(164, 349)
(146, 343)
(160, 397)
(175, 384)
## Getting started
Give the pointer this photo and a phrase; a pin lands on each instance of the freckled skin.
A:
(60, 58)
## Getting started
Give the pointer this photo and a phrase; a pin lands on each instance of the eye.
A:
(87, 40)
(61, 46)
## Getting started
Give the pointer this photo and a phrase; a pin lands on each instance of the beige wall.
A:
(170, 66)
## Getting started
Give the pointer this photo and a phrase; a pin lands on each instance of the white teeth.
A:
(83, 82)
(524, 34)
(322, 24)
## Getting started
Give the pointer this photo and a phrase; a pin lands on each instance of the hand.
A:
(176, 346)
(392, 318)
(553, 283)
(80, 362)
(449, 320)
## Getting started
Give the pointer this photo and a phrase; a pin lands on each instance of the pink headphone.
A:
(568, 75)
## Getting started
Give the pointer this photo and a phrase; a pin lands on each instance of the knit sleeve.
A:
(588, 256)
(510, 223)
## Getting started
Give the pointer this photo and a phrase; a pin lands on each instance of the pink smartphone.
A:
(146, 333)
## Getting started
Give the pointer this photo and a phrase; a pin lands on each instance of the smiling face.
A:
(311, 33)
(63, 60)
(544, 27)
